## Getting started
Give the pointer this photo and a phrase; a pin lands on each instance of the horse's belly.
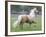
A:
(30, 18)
(24, 19)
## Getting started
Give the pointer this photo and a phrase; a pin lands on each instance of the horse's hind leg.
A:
(21, 25)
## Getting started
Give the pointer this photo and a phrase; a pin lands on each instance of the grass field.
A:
(27, 27)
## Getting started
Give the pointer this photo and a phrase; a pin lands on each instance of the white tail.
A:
(15, 24)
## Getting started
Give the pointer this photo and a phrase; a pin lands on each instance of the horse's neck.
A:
(32, 13)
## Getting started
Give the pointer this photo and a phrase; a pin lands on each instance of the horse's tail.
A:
(15, 24)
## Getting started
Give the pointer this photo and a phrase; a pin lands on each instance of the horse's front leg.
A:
(34, 22)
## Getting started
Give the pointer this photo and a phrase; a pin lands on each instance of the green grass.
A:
(26, 26)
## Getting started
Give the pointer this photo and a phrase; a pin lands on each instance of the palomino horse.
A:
(26, 18)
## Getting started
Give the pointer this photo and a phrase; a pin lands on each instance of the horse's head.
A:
(36, 11)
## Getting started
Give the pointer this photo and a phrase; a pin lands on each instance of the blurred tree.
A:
(16, 8)
(22, 8)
